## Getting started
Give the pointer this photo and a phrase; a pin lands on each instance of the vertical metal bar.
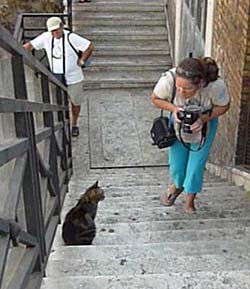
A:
(49, 122)
(31, 187)
(32, 190)
(61, 118)
(69, 4)
(67, 126)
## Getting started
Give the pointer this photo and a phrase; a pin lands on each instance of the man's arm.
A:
(28, 46)
(86, 54)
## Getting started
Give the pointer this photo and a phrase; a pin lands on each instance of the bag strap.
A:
(63, 53)
(71, 45)
(202, 141)
(173, 91)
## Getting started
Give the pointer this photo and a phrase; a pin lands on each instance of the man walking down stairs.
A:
(139, 242)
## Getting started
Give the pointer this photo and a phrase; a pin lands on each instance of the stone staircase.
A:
(130, 38)
(139, 243)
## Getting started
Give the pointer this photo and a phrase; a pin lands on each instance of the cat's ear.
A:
(95, 184)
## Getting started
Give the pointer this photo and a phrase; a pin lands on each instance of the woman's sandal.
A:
(168, 199)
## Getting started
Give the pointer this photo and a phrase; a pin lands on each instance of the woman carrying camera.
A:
(201, 97)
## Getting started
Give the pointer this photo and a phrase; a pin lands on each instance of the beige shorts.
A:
(75, 92)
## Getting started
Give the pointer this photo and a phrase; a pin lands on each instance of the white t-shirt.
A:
(73, 72)
(214, 94)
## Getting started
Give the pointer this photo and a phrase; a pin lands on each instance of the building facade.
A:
(220, 29)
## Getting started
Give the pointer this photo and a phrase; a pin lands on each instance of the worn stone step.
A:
(130, 174)
(131, 60)
(173, 213)
(203, 201)
(111, 84)
(150, 250)
(123, 75)
(107, 238)
(144, 237)
(132, 51)
(116, 187)
(118, 37)
(128, 68)
(125, 30)
(111, 2)
(138, 16)
(120, 228)
(198, 280)
(138, 44)
(144, 265)
(110, 21)
(117, 7)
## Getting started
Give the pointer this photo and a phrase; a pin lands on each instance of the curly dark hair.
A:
(197, 69)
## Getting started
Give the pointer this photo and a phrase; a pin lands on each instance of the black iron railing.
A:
(25, 29)
(35, 163)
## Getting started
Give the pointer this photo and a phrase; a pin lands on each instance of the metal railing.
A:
(35, 163)
(25, 31)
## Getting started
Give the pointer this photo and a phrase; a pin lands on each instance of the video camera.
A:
(189, 115)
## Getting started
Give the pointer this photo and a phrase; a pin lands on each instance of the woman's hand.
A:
(175, 113)
(197, 125)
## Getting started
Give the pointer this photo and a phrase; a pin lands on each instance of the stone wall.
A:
(230, 42)
(170, 15)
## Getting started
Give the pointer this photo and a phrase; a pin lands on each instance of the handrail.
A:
(40, 162)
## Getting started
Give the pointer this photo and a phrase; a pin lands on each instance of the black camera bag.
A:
(162, 131)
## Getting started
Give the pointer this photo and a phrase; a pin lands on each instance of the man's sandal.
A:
(168, 199)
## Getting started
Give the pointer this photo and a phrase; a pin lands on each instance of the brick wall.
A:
(231, 49)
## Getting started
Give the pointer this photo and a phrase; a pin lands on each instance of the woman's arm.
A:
(216, 112)
(163, 103)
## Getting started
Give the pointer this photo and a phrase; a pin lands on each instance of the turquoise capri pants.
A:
(187, 167)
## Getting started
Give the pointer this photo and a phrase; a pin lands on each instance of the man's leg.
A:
(75, 92)
(75, 110)
(75, 113)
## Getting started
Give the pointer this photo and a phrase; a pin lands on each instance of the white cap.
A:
(54, 23)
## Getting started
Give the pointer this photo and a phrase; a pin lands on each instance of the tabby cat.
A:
(79, 225)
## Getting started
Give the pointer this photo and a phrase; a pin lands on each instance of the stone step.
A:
(118, 187)
(137, 2)
(142, 47)
(132, 51)
(198, 280)
(122, 75)
(119, 83)
(203, 201)
(144, 265)
(116, 7)
(172, 213)
(131, 60)
(110, 20)
(118, 37)
(120, 228)
(131, 237)
(125, 30)
(128, 68)
(126, 44)
(111, 2)
(133, 17)
(150, 250)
